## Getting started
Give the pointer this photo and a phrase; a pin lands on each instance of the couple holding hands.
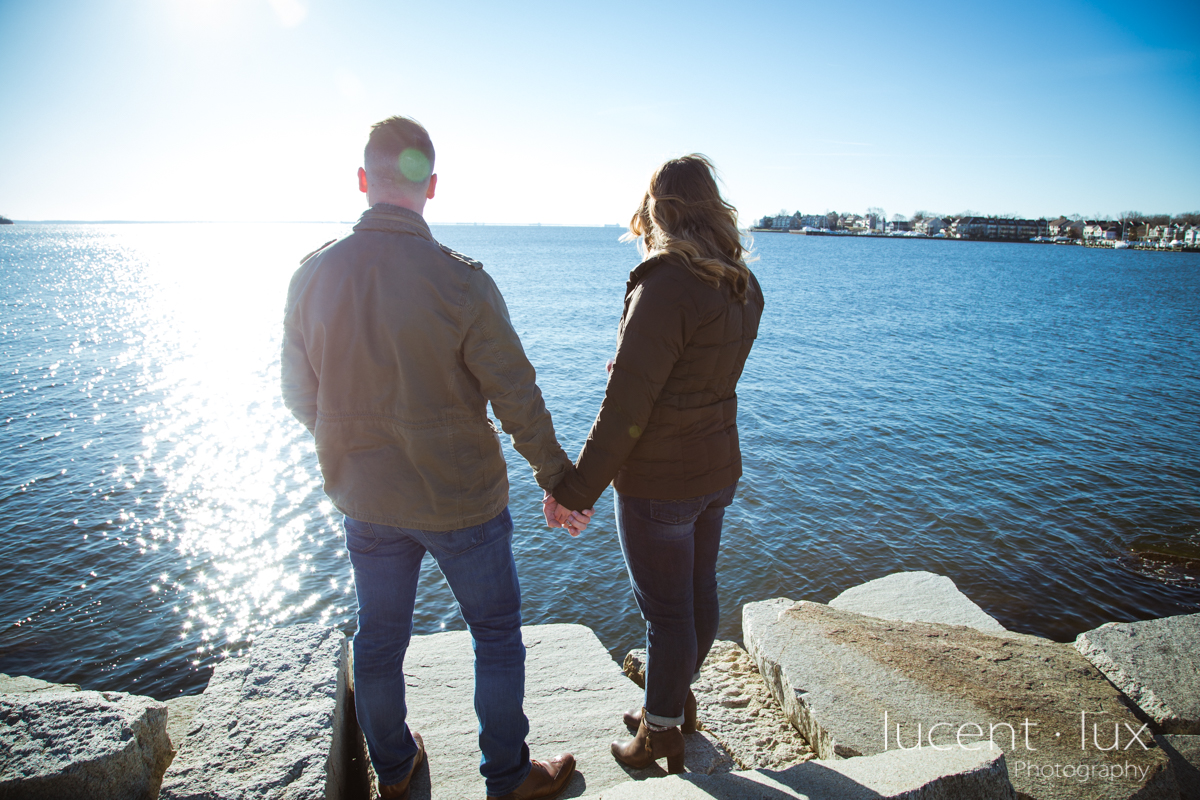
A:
(393, 347)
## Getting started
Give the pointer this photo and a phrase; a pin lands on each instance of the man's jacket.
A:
(393, 346)
(667, 429)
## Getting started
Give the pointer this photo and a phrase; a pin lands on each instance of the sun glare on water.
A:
(240, 497)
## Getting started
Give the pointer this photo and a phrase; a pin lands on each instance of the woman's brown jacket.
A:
(667, 429)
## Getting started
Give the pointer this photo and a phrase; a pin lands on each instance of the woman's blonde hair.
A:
(683, 213)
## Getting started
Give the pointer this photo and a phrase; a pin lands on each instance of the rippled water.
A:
(1023, 419)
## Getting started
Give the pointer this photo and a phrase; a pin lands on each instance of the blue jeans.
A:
(478, 565)
(670, 549)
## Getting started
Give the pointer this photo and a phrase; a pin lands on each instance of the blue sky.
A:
(559, 112)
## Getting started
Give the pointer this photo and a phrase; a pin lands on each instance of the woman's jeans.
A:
(478, 565)
(670, 548)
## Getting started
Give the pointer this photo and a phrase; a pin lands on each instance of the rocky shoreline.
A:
(899, 688)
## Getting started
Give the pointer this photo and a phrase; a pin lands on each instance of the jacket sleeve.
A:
(492, 352)
(297, 379)
(656, 328)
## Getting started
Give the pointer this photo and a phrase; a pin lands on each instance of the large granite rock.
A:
(180, 712)
(895, 775)
(269, 724)
(1156, 663)
(72, 744)
(736, 708)
(1184, 752)
(917, 597)
(859, 685)
(574, 698)
(23, 684)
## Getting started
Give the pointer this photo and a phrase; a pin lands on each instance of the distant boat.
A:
(1122, 245)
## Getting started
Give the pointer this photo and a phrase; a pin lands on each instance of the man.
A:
(393, 346)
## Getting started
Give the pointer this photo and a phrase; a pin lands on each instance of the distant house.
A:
(998, 228)
(1101, 230)
(852, 222)
(930, 226)
(1162, 234)
(1070, 228)
(1136, 230)
(900, 226)
(1191, 237)
(818, 221)
(782, 222)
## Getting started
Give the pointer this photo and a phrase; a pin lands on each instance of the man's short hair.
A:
(399, 152)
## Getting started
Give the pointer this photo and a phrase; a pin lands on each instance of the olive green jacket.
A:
(393, 346)
(667, 429)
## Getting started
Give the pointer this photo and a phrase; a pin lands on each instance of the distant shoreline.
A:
(1104, 245)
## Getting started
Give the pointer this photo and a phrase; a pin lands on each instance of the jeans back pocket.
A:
(676, 512)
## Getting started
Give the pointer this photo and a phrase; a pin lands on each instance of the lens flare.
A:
(413, 165)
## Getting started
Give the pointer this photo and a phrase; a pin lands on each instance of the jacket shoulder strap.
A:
(319, 249)
(470, 262)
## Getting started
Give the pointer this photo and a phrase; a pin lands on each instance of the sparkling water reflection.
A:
(1022, 419)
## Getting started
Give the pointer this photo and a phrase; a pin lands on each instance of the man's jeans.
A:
(478, 565)
(670, 549)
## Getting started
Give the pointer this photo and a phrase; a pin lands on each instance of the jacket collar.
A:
(393, 219)
(643, 269)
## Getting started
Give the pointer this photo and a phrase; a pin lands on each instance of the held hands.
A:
(560, 517)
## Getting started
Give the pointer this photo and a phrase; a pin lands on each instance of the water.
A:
(1023, 419)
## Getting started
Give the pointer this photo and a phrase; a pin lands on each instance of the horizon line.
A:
(296, 222)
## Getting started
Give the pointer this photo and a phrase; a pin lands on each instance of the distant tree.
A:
(831, 220)
(766, 221)
(1189, 218)
(899, 218)
(877, 217)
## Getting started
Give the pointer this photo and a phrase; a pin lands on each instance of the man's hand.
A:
(559, 517)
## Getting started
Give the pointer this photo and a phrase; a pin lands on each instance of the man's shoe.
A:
(648, 746)
(633, 717)
(399, 791)
(546, 779)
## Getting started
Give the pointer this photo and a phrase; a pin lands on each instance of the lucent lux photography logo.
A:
(1023, 741)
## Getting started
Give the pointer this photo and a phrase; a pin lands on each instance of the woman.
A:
(666, 435)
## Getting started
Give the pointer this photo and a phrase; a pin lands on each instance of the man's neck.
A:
(402, 200)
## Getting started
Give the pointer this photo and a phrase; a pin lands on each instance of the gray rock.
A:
(847, 681)
(894, 775)
(1156, 663)
(23, 684)
(266, 726)
(574, 698)
(1184, 752)
(82, 744)
(917, 597)
(736, 708)
(180, 711)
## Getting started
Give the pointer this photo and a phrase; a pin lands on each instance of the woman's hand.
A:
(558, 516)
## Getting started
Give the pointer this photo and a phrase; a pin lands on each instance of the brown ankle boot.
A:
(400, 791)
(633, 717)
(546, 779)
(648, 746)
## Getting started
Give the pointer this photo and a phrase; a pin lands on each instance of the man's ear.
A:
(362, 180)
(432, 187)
